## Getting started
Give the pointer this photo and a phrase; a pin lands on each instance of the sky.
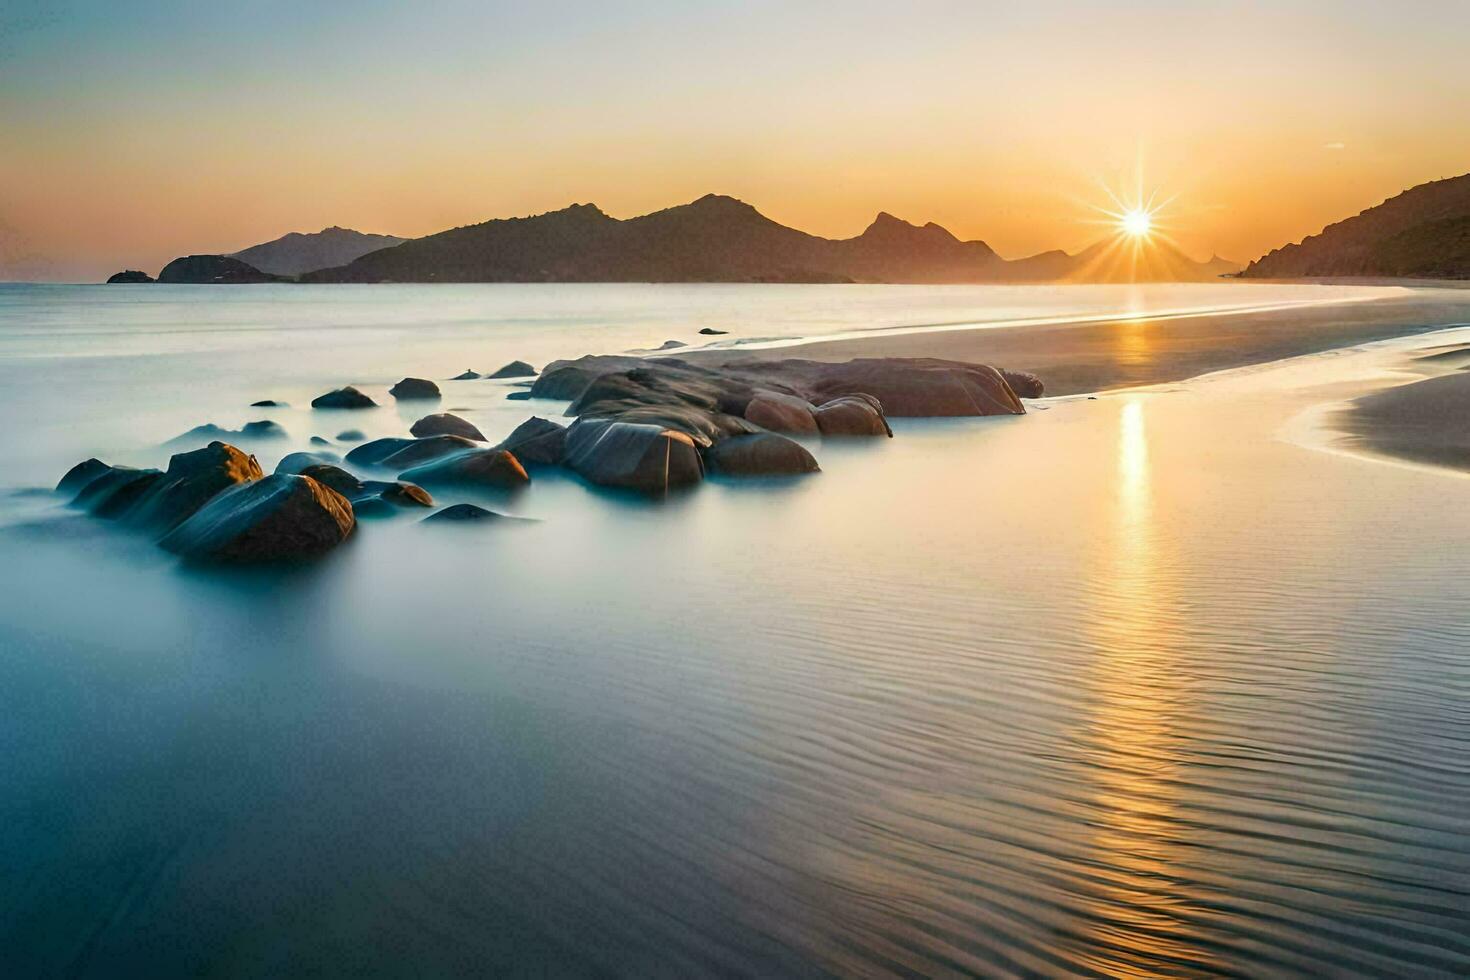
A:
(133, 133)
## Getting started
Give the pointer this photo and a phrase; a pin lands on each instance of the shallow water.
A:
(1141, 684)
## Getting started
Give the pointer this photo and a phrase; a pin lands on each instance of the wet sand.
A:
(1424, 421)
(1083, 357)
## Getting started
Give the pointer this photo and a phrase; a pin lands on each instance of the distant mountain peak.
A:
(299, 252)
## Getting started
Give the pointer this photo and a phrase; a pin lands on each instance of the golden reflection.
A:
(1134, 924)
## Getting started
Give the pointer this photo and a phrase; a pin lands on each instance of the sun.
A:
(1137, 223)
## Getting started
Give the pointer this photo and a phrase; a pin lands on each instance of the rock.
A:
(319, 441)
(851, 415)
(491, 468)
(426, 450)
(760, 454)
(348, 397)
(515, 369)
(645, 457)
(518, 396)
(782, 413)
(77, 478)
(350, 435)
(263, 429)
(336, 478)
(114, 493)
(465, 513)
(712, 332)
(672, 345)
(214, 269)
(537, 441)
(467, 376)
(268, 403)
(920, 387)
(191, 481)
(567, 380)
(296, 462)
(1024, 383)
(704, 406)
(283, 517)
(400, 494)
(373, 453)
(414, 388)
(130, 275)
(445, 424)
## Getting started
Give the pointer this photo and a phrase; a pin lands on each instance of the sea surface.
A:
(1159, 682)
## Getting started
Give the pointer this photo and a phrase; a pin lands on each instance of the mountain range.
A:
(721, 239)
(296, 253)
(1422, 233)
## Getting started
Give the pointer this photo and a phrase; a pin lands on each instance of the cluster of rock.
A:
(644, 424)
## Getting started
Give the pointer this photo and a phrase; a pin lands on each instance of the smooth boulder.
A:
(191, 481)
(515, 369)
(780, 412)
(262, 429)
(114, 493)
(296, 462)
(1024, 383)
(466, 514)
(635, 456)
(444, 424)
(851, 415)
(760, 454)
(348, 397)
(283, 517)
(414, 389)
(493, 469)
(351, 435)
(426, 450)
(537, 440)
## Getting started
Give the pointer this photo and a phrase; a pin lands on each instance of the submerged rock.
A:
(283, 517)
(296, 462)
(262, 429)
(672, 345)
(369, 493)
(537, 441)
(712, 332)
(329, 475)
(319, 441)
(351, 435)
(518, 396)
(268, 403)
(782, 413)
(515, 369)
(426, 450)
(852, 415)
(114, 493)
(760, 454)
(466, 513)
(467, 376)
(191, 481)
(80, 475)
(1024, 383)
(488, 468)
(414, 388)
(348, 397)
(444, 424)
(645, 457)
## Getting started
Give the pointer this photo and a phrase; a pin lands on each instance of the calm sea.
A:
(1126, 686)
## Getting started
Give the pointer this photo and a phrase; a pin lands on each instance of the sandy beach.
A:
(1094, 356)
(1422, 421)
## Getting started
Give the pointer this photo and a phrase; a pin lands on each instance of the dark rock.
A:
(414, 388)
(337, 478)
(1024, 383)
(296, 462)
(348, 397)
(712, 332)
(644, 457)
(567, 380)
(350, 435)
(922, 387)
(537, 441)
(672, 345)
(268, 403)
(464, 513)
(77, 478)
(426, 450)
(369, 492)
(491, 468)
(283, 517)
(191, 481)
(760, 454)
(515, 369)
(467, 376)
(782, 413)
(518, 396)
(319, 441)
(263, 429)
(851, 415)
(219, 269)
(400, 494)
(131, 275)
(444, 424)
(114, 493)
(702, 405)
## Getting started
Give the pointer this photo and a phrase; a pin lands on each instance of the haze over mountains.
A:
(293, 254)
(1422, 233)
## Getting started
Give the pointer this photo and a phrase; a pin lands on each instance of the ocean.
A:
(1158, 682)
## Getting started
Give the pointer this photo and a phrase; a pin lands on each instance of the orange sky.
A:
(129, 141)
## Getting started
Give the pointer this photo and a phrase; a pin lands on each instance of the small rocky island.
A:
(129, 275)
(646, 425)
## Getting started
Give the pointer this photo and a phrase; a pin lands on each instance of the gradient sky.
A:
(132, 133)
